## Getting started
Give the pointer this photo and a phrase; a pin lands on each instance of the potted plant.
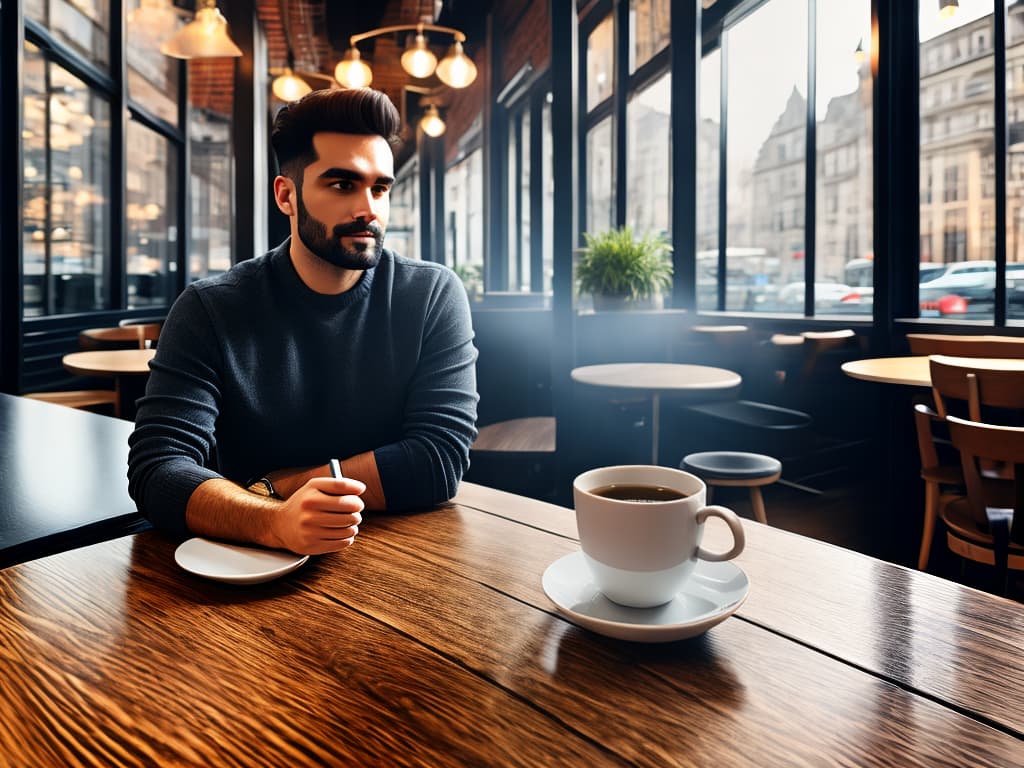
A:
(622, 272)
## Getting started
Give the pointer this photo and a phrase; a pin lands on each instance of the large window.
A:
(150, 218)
(765, 138)
(404, 227)
(626, 162)
(763, 64)
(101, 199)
(82, 25)
(844, 252)
(648, 154)
(528, 191)
(957, 159)
(464, 217)
(66, 213)
(210, 174)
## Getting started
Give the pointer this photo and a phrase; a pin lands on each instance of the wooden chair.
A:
(516, 455)
(940, 475)
(994, 388)
(991, 391)
(138, 336)
(981, 526)
(965, 346)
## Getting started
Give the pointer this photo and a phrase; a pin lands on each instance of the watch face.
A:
(262, 487)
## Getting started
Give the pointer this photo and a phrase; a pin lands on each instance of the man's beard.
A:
(313, 234)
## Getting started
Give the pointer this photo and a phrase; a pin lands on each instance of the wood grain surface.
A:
(431, 642)
(927, 634)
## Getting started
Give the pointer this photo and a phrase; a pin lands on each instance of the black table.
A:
(63, 479)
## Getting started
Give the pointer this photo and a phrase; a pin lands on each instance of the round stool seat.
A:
(732, 465)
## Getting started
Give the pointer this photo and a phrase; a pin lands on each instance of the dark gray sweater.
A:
(256, 372)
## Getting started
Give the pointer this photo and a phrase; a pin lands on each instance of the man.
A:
(329, 346)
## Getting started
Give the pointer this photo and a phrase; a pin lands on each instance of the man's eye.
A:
(380, 189)
(343, 185)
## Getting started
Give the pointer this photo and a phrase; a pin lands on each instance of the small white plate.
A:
(233, 563)
(712, 593)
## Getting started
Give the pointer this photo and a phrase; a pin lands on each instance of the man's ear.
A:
(285, 196)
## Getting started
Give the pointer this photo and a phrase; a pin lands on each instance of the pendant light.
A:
(431, 122)
(456, 69)
(206, 36)
(948, 9)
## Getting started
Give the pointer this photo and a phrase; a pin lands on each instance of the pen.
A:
(336, 469)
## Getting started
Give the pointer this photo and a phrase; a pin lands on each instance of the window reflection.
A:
(66, 221)
(210, 171)
(649, 30)
(648, 158)
(84, 25)
(150, 218)
(599, 63)
(152, 77)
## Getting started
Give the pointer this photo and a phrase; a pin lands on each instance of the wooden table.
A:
(657, 379)
(128, 367)
(913, 371)
(65, 481)
(431, 642)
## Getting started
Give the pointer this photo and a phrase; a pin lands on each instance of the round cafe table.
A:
(913, 371)
(127, 367)
(657, 379)
(909, 371)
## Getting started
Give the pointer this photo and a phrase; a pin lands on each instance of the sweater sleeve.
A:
(171, 449)
(439, 425)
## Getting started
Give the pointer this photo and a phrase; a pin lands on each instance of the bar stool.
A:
(735, 468)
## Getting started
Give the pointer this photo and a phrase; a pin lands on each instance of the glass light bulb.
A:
(418, 60)
(431, 123)
(288, 87)
(352, 71)
(456, 69)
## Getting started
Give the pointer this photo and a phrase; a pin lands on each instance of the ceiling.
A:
(318, 32)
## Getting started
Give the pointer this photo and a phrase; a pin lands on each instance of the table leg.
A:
(655, 426)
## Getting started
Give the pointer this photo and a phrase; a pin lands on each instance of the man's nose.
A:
(365, 207)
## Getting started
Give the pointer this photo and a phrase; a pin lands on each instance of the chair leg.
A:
(757, 501)
(931, 507)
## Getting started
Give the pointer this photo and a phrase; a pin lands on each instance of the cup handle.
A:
(738, 537)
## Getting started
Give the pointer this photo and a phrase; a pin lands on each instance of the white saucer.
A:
(233, 563)
(712, 593)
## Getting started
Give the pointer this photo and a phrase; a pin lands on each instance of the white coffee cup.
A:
(642, 552)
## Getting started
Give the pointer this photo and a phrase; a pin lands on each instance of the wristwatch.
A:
(263, 487)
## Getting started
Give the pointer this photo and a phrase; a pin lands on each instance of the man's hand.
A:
(321, 516)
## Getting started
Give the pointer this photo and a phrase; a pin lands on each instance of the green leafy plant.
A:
(614, 263)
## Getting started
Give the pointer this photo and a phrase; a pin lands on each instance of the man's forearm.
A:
(222, 510)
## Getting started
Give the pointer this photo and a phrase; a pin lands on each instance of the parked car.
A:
(968, 288)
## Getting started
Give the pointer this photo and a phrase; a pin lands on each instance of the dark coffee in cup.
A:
(638, 492)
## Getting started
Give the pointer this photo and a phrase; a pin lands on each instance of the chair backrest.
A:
(965, 346)
(989, 383)
(980, 446)
(122, 337)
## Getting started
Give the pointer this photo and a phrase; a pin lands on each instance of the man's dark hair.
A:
(355, 110)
